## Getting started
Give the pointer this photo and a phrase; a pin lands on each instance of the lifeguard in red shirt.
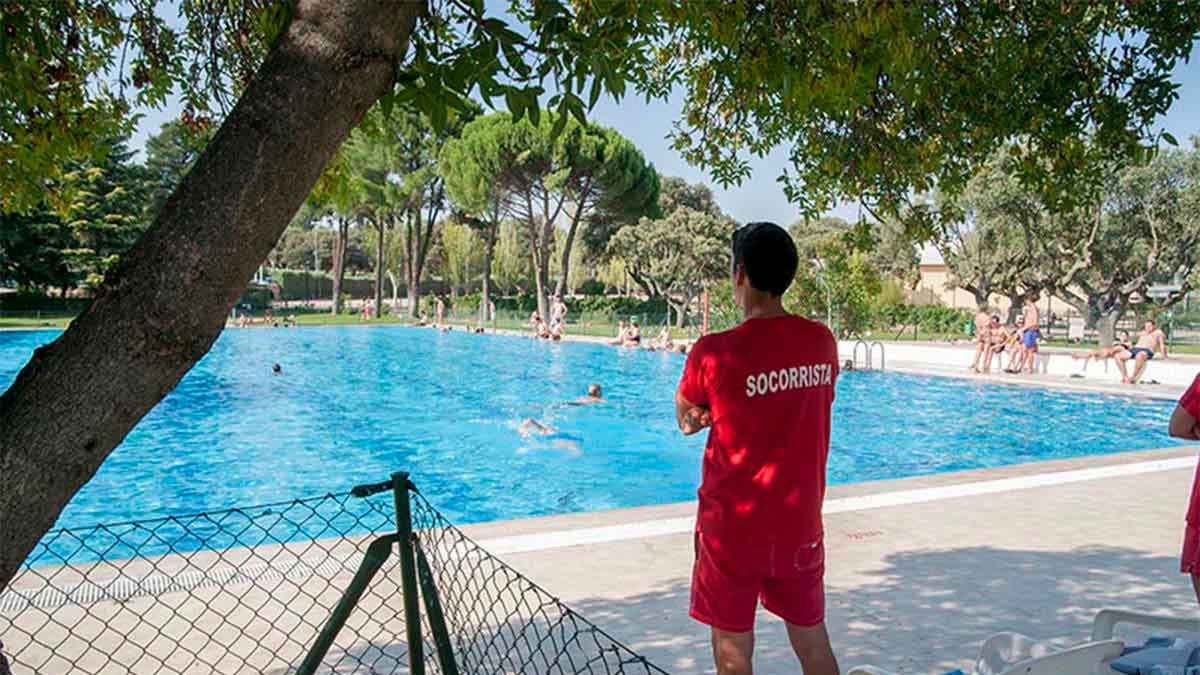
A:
(1183, 425)
(764, 390)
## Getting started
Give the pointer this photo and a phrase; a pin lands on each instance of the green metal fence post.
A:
(408, 574)
(437, 619)
(376, 555)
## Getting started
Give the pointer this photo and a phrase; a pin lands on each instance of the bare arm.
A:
(1183, 425)
(1162, 343)
(690, 417)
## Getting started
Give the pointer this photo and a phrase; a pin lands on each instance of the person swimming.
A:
(593, 396)
(277, 369)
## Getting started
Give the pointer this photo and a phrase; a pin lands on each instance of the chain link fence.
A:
(307, 586)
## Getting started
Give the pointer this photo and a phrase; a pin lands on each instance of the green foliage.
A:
(675, 257)
(617, 305)
(98, 217)
(592, 286)
(33, 302)
(928, 318)
(170, 154)
(880, 101)
(462, 254)
(836, 277)
(308, 285)
(71, 73)
(874, 100)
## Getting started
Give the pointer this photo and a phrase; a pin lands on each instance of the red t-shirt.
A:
(768, 384)
(1191, 403)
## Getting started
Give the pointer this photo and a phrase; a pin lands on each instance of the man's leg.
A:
(1139, 367)
(733, 652)
(812, 647)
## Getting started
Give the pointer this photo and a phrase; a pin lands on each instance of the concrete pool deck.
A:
(920, 570)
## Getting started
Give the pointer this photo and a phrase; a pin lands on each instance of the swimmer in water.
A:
(593, 396)
(277, 369)
(530, 427)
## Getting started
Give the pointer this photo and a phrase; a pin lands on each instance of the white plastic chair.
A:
(1105, 624)
(1016, 654)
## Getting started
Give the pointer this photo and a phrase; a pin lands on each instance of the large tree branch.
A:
(167, 301)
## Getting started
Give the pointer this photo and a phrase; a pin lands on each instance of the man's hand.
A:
(691, 417)
(695, 419)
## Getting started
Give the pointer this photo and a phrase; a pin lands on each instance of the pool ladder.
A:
(869, 353)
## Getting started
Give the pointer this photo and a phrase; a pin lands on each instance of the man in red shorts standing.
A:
(1183, 425)
(764, 389)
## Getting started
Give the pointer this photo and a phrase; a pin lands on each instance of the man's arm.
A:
(1162, 342)
(690, 417)
(1183, 425)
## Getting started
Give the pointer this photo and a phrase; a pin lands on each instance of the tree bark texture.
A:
(167, 300)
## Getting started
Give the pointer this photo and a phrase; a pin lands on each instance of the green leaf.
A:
(1170, 139)
(515, 103)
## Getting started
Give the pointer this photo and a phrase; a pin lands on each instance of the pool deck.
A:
(920, 570)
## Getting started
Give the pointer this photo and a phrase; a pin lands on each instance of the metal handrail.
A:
(866, 350)
(871, 352)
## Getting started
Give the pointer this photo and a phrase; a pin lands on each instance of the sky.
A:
(760, 197)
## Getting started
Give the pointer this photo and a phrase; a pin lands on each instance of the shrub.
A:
(466, 303)
(40, 302)
(592, 287)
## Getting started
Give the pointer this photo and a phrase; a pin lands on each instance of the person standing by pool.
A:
(1030, 336)
(1152, 339)
(1183, 425)
(983, 337)
(558, 312)
(439, 310)
(764, 389)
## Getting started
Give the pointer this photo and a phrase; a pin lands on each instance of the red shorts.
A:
(728, 581)
(1189, 561)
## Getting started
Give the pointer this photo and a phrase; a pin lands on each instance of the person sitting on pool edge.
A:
(1150, 340)
(764, 390)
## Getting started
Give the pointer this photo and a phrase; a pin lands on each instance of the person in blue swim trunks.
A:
(1151, 341)
(1030, 333)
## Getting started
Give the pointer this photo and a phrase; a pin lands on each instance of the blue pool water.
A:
(354, 404)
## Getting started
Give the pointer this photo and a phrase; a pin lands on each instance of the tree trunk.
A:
(561, 289)
(380, 230)
(1106, 327)
(165, 303)
(489, 249)
(680, 313)
(395, 290)
(340, 239)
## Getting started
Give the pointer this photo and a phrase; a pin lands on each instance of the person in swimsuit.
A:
(620, 333)
(1013, 344)
(1150, 341)
(1030, 336)
(1118, 346)
(983, 338)
(997, 339)
(633, 336)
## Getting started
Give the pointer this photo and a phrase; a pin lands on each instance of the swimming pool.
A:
(354, 404)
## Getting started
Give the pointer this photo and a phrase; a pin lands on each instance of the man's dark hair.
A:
(768, 254)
